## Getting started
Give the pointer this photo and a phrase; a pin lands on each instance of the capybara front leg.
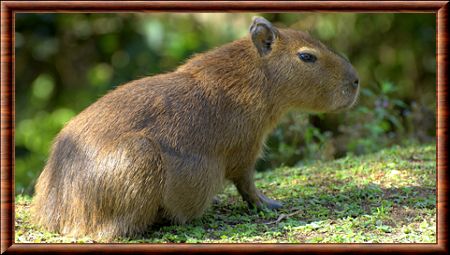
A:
(254, 198)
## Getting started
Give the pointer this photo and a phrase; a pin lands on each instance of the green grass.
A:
(386, 197)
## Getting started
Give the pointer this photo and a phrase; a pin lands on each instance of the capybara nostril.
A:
(355, 83)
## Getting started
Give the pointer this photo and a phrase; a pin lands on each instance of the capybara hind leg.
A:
(191, 183)
(132, 194)
(114, 190)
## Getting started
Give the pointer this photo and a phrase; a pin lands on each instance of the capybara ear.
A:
(263, 35)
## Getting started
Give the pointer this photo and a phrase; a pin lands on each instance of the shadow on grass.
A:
(398, 206)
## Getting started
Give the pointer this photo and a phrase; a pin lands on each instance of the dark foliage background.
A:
(64, 62)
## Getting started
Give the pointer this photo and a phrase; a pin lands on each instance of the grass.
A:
(386, 197)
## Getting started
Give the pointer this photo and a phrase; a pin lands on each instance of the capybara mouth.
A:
(348, 105)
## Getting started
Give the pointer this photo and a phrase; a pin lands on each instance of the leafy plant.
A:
(379, 123)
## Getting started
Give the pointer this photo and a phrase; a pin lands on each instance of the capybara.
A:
(162, 147)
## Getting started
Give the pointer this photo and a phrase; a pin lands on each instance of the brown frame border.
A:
(8, 10)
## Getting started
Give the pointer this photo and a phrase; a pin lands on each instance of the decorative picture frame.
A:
(10, 8)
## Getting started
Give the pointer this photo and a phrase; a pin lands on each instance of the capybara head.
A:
(309, 75)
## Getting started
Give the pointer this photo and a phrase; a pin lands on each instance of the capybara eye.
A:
(307, 57)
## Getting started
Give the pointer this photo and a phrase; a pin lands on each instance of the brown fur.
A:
(163, 146)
